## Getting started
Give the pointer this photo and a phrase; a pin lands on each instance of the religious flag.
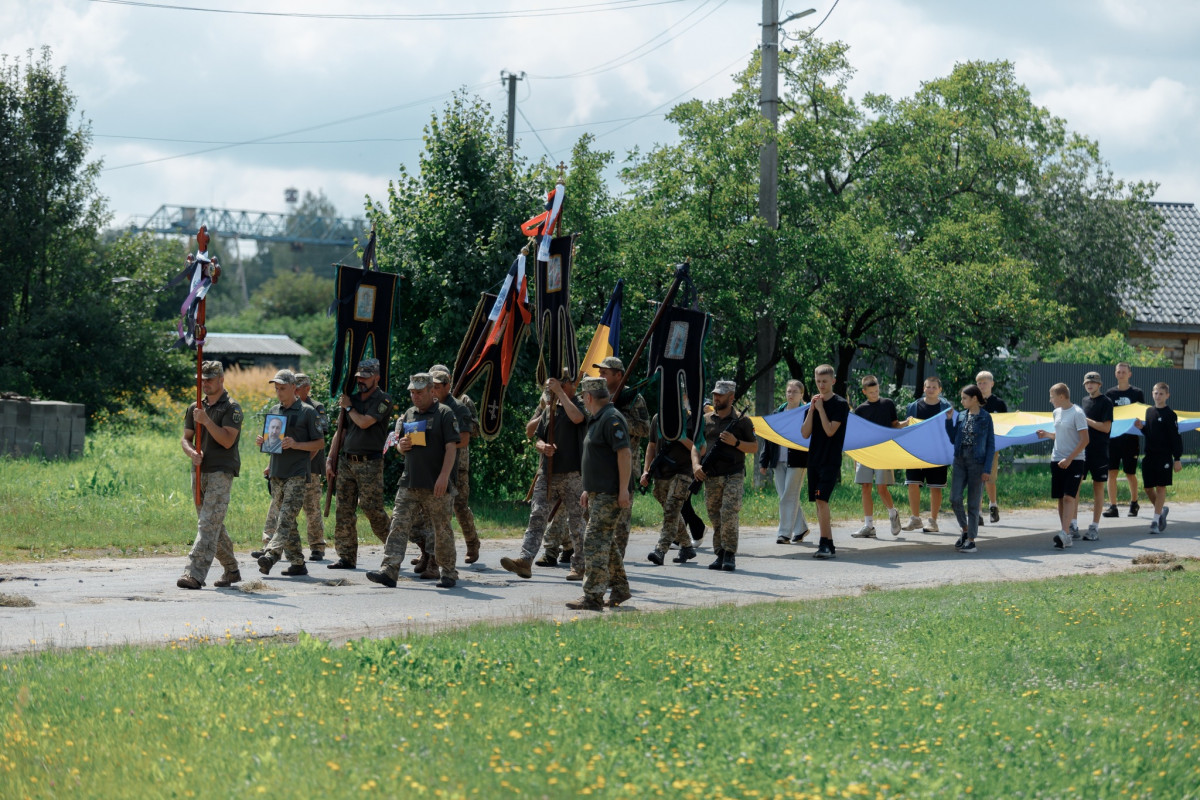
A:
(365, 308)
(546, 223)
(607, 339)
(201, 273)
(557, 348)
(677, 352)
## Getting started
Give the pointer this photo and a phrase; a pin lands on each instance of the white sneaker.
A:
(865, 532)
(1074, 529)
(1062, 540)
(1154, 527)
(914, 524)
(1093, 533)
(894, 519)
(931, 527)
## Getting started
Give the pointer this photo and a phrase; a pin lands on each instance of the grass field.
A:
(130, 494)
(1073, 687)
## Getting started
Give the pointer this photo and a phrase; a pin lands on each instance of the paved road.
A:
(115, 601)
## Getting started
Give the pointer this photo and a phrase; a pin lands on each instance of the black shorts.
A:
(821, 481)
(933, 477)
(1097, 464)
(1123, 453)
(1156, 470)
(1065, 482)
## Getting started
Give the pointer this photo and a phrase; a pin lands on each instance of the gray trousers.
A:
(967, 474)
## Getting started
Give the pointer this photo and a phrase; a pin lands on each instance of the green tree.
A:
(1110, 348)
(67, 332)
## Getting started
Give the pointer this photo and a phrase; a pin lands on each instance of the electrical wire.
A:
(535, 133)
(550, 11)
(814, 29)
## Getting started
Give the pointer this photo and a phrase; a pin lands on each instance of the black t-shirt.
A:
(1161, 429)
(437, 426)
(726, 459)
(881, 412)
(370, 440)
(568, 438)
(607, 433)
(994, 405)
(1126, 397)
(302, 426)
(672, 457)
(1097, 409)
(826, 451)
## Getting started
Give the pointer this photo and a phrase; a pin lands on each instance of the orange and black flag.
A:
(489, 348)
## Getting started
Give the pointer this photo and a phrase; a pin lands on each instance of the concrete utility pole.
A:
(768, 193)
(511, 79)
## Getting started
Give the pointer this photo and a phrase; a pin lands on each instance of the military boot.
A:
(521, 567)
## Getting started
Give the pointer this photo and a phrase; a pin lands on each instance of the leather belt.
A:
(360, 459)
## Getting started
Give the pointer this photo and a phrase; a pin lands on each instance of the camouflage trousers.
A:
(672, 493)
(600, 546)
(462, 509)
(211, 537)
(314, 525)
(564, 488)
(289, 494)
(413, 505)
(558, 537)
(359, 484)
(723, 498)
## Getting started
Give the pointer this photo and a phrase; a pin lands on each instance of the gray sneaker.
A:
(1074, 529)
(894, 521)
(1093, 533)
(1154, 527)
(1162, 519)
(931, 527)
(913, 524)
(865, 532)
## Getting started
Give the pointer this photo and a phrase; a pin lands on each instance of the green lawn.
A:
(1074, 687)
(130, 494)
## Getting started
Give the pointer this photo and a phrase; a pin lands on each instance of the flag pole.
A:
(681, 272)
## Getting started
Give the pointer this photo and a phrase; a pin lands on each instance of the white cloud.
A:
(1126, 116)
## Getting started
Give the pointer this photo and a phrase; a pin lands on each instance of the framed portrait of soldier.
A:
(364, 304)
(274, 427)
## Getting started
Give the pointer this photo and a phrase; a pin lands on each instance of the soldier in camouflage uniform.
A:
(358, 465)
(730, 437)
(669, 464)
(557, 542)
(427, 436)
(219, 462)
(314, 523)
(560, 462)
(606, 476)
(289, 473)
(637, 417)
(468, 426)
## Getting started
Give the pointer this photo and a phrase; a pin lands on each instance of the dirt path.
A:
(116, 601)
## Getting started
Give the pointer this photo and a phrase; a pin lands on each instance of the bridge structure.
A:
(260, 226)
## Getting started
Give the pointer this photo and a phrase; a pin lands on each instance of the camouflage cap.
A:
(596, 386)
(211, 369)
(1092, 377)
(367, 367)
(438, 368)
(303, 380)
(439, 376)
(724, 387)
(612, 362)
(421, 380)
(285, 377)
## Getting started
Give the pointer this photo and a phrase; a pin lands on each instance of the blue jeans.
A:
(968, 474)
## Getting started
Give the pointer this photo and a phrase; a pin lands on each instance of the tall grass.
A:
(1074, 687)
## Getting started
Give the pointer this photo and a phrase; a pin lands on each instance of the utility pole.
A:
(511, 79)
(768, 194)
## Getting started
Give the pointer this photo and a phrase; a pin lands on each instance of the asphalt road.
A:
(117, 601)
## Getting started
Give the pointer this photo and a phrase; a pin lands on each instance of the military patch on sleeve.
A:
(237, 415)
(383, 407)
(618, 434)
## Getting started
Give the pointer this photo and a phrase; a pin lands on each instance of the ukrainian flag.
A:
(918, 445)
(607, 341)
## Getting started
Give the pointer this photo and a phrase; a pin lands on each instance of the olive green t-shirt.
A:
(423, 463)
(302, 426)
(370, 440)
(607, 433)
(227, 414)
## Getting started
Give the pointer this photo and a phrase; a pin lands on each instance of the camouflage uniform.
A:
(413, 506)
(723, 498)
(600, 553)
(672, 493)
(314, 523)
(218, 467)
(290, 470)
(558, 537)
(565, 488)
(637, 418)
(462, 477)
(288, 495)
(360, 475)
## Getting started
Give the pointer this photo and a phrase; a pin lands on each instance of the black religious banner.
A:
(557, 350)
(481, 359)
(677, 352)
(365, 307)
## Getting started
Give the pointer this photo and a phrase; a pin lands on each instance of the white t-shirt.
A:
(1068, 422)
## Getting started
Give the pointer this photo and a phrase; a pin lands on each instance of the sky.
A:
(338, 105)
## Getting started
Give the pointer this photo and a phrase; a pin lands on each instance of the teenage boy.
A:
(1123, 450)
(993, 405)
(1099, 412)
(930, 405)
(1070, 437)
(881, 411)
(825, 428)
(1164, 449)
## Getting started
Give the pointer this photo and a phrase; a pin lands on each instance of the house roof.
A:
(1175, 304)
(267, 344)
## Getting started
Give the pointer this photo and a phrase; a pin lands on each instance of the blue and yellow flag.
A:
(1021, 427)
(607, 340)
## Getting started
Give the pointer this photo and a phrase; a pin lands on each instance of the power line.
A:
(814, 29)
(620, 61)
(260, 139)
(534, 132)
(550, 11)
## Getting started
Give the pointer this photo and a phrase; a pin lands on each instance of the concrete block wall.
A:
(57, 427)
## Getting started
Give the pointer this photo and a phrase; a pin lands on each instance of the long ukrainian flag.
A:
(924, 443)
(607, 339)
